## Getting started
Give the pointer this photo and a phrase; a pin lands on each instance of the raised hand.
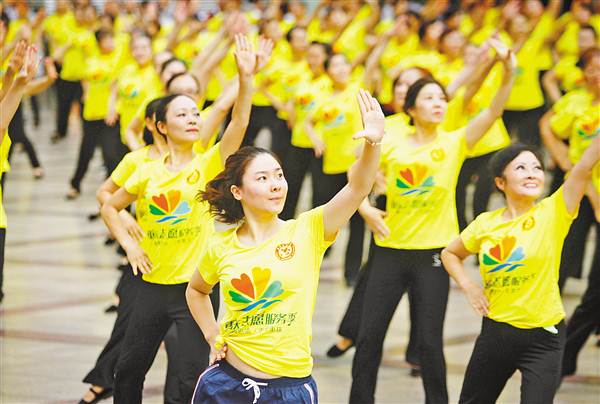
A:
(30, 66)
(505, 54)
(263, 52)
(372, 117)
(18, 57)
(245, 57)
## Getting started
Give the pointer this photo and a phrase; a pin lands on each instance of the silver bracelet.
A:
(372, 143)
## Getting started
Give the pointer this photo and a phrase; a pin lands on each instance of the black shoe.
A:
(93, 216)
(415, 371)
(106, 393)
(109, 241)
(111, 309)
(336, 352)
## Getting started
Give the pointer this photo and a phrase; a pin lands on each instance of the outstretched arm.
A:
(361, 175)
(248, 64)
(27, 70)
(579, 177)
(479, 125)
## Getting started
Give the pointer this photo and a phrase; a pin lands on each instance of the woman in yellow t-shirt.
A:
(101, 377)
(421, 174)
(525, 106)
(100, 72)
(268, 270)
(176, 226)
(21, 70)
(575, 117)
(397, 127)
(519, 248)
(300, 159)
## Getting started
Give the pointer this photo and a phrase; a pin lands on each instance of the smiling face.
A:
(406, 79)
(430, 105)
(182, 124)
(339, 69)
(141, 49)
(263, 188)
(523, 178)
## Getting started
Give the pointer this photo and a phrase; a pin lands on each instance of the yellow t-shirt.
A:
(272, 73)
(338, 119)
(569, 75)
(100, 72)
(127, 166)
(352, 41)
(527, 91)
(448, 71)
(134, 86)
(546, 26)
(457, 116)
(305, 99)
(568, 43)
(57, 28)
(4, 167)
(269, 291)
(577, 118)
(83, 47)
(315, 32)
(397, 127)
(392, 55)
(519, 262)
(175, 223)
(421, 185)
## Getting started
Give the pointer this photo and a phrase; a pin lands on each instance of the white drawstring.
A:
(252, 384)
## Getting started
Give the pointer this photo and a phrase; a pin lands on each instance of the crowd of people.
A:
(394, 109)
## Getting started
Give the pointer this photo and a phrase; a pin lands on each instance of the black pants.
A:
(571, 261)
(331, 184)
(97, 133)
(156, 308)
(16, 131)
(586, 317)
(393, 272)
(298, 162)
(484, 186)
(2, 244)
(66, 92)
(500, 350)
(524, 125)
(266, 117)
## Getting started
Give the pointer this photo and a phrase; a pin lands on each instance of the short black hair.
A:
(176, 76)
(502, 158)
(168, 62)
(587, 57)
(326, 47)
(589, 28)
(162, 108)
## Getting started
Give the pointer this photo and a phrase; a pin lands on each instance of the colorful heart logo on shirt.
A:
(169, 207)
(504, 256)
(332, 118)
(589, 130)
(414, 180)
(255, 291)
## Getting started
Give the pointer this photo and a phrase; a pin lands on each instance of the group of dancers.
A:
(393, 112)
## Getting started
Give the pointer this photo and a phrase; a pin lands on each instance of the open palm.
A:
(372, 117)
(244, 56)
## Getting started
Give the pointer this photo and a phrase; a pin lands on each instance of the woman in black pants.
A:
(421, 172)
(519, 249)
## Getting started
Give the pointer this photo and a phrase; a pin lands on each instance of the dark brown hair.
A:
(218, 194)
(504, 157)
(413, 92)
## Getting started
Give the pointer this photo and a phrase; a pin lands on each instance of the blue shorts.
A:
(221, 383)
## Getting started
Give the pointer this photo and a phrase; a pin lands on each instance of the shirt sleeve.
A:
(560, 215)
(471, 236)
(208, 267)
(124, 170)
(136, 183)
(314, 221)
(211, 162)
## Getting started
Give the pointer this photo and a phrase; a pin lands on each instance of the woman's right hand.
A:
(318, 147)
(477, 299)
(132, 226)
(138, 259)
(374, 218)
(218, 349)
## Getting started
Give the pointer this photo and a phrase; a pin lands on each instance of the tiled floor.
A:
(59, 277)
